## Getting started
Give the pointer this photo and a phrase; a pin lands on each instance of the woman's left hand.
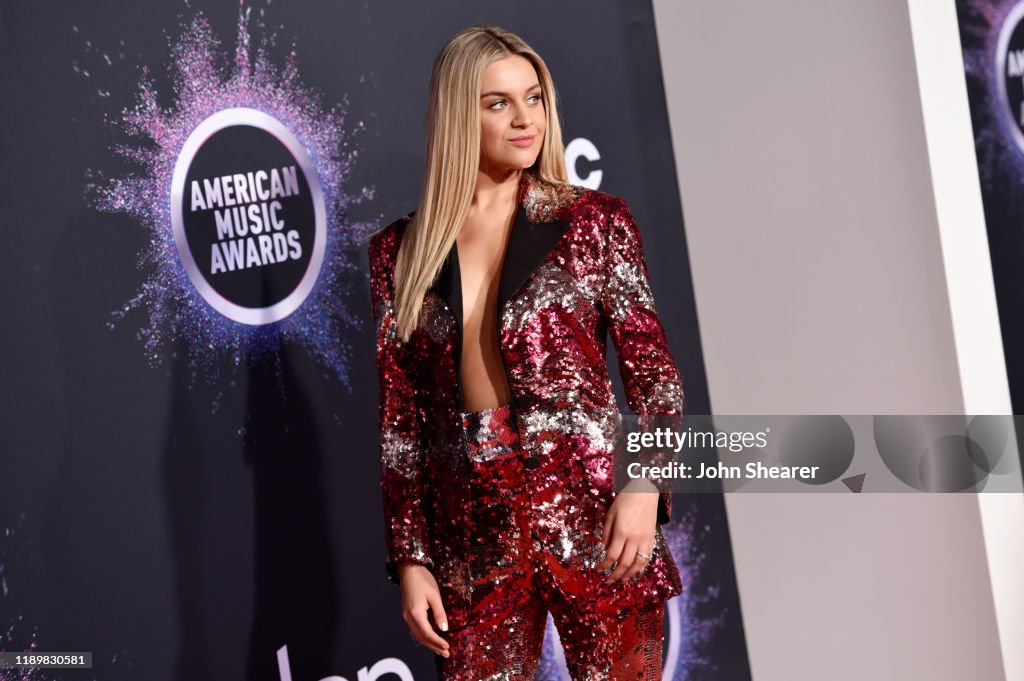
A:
(629, 529)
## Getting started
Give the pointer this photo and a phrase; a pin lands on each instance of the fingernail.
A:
(444, 626)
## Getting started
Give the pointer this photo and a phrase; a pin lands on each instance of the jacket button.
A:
(532, 462)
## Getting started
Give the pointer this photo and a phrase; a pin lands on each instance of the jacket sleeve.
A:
(650, 378)
(401, 450)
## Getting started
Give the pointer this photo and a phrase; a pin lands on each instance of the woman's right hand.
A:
(420, 593)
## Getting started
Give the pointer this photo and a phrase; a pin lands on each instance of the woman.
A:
(498, 420)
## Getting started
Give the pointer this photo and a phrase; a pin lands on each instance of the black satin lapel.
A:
(449, 285)
(528, 246)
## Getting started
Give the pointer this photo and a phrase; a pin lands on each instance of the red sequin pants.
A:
(513, 592)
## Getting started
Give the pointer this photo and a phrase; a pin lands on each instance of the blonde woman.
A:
(493, 301)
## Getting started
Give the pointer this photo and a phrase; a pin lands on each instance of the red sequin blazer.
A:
(574, 273)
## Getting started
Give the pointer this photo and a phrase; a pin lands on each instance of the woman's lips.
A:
(524, 141)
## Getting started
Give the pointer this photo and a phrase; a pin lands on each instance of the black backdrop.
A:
(1000, 154)
(185, 527)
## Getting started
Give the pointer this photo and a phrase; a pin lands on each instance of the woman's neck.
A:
(495, 190)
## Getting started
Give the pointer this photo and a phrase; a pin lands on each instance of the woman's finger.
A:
(640, 563)
(625, 561)
(606, 529)
(424, 633)
(613, 552)
(437, 610)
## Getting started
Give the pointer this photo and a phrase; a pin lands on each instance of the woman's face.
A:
(512, 115)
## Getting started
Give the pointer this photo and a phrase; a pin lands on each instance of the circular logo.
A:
(248, 216)
(1010, 71)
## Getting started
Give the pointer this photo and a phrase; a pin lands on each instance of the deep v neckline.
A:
(527, 247)
(500, 265)
(489, 303)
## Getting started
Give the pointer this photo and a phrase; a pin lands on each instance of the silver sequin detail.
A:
(667, 395)
(385, 320)
(625, 289)
(543, 200)
(399, 453)
(551, 284)
(600, 426)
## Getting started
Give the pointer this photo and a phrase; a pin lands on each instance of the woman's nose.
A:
(522, 118)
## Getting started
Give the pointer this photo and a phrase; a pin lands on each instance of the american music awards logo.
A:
(240, 184)
(248, 216)
(1010, 71)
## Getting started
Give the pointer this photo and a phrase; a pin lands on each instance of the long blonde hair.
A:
(453, 158)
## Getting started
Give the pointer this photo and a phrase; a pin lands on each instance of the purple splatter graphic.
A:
(13, 638)
(687, 633)
(204, 82)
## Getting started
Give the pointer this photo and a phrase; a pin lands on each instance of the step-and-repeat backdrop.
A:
(189, 472)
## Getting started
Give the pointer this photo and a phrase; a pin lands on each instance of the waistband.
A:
(493, 429)
(481, 414)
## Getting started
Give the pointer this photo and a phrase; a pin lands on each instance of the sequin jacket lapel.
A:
(574, 273)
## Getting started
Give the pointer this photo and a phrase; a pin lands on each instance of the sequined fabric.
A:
(516, 582)
(578, 277)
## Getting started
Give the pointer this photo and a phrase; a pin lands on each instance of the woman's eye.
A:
(536, 98)
(495, 104)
